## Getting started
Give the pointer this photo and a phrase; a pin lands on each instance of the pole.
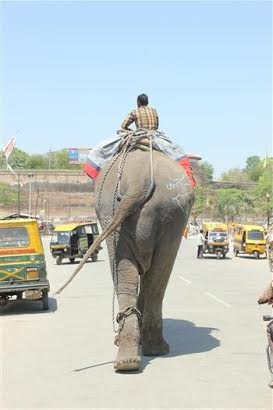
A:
(69, 203)
(49, 158)
(29, 199)
(48, 209)
(45, 208)
(37, 199)
(29, 204)
(18, 194)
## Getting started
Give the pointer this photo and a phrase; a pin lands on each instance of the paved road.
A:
(64, 358)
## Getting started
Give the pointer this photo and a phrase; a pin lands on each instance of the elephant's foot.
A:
(152, 340)
(128, 357)
(156, 348)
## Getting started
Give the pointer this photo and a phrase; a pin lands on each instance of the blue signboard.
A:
(78, 155)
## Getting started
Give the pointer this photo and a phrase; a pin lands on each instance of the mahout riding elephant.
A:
(142, 219)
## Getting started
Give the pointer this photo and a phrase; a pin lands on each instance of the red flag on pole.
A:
(9, 147)
(7, 150)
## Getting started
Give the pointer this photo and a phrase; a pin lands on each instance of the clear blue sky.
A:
(71, 71)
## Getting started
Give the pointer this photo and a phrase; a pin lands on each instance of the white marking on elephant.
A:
(177, 183)
(217, 299)
(179, 200)
(185, 279)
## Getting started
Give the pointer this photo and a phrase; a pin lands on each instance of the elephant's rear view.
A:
(143, 206)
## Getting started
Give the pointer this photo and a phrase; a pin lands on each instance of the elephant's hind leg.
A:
(128, 356)
(155, 283)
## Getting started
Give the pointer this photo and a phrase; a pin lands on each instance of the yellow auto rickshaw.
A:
(71, 241)
(216, 239)
(249, 240)
(22, 262)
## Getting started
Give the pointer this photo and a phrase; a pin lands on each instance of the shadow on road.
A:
(92, 366)
(213, 257)
(184, 338)
(33, 307)
(78, 261)
(242, 257)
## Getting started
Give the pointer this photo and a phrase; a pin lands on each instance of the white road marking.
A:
(184, 279)
(218, 300)
(207, 293)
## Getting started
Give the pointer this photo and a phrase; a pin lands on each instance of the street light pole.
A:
(268, 210)
(29, 198)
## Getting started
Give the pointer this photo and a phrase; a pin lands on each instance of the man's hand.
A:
(267, 296)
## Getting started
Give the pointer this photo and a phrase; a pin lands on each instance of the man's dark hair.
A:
(201, 231)
(142, 99)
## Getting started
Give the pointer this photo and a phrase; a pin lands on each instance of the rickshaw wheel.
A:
(218, 255)
(72, 260)
(94, 257)
(256, 254)
(45, 300)
(59, 259)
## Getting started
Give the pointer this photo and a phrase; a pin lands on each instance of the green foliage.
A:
(19, 159)
(8, 194)
(59, 159)
(37, 161)
(204, 173)
(231, 202)
(3, 164)
(264, 191)
(200, 200)
(254, 167)
(235, 175)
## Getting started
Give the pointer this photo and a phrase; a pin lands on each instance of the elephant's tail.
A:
(129, 204)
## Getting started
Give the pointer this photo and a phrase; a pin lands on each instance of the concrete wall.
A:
(54, 194)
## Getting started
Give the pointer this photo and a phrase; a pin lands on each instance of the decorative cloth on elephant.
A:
(107, 149)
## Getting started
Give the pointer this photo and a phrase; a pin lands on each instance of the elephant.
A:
(142, 219)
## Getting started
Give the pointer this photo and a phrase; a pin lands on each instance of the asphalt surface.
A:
(64, 358)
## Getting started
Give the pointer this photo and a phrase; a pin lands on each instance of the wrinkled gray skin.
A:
(147, 241)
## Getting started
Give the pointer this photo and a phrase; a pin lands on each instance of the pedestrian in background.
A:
(200, 243)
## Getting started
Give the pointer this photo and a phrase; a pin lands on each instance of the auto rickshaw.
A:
(216, 239)
(249, 240)
(22, 262)
(71, 241)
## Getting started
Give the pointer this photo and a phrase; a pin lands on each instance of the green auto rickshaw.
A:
(71, 241)
(22, 262)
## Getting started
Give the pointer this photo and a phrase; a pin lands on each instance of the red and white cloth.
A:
(108, 148)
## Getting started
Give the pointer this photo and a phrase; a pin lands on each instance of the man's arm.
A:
(128, 120)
